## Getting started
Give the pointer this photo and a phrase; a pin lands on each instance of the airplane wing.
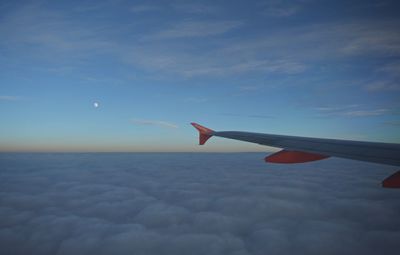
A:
(304, 149)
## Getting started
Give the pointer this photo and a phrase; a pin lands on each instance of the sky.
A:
(307, 68)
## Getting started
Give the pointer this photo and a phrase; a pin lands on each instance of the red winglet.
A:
(205, 133)
(288, 157)
(392, 181)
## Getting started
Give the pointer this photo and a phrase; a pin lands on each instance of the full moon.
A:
(95, 104)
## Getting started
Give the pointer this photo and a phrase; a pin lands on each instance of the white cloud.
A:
(195, 99)
(9, 98)
(393, 69)
(283, 8)
(353, 110)
(282, 11)
(363, 113)
(393, 123)
(193, 204)
(163, 49)
(383, 86)
(371, 38)
(144, 8)
(45, 33)
(196, 29)
(195, 8)
(159, 123)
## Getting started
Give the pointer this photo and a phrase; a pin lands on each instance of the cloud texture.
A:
(193, 204)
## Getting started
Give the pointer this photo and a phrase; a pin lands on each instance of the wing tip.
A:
(204, 133)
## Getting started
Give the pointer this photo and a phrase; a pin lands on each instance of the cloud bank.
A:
(193, 204)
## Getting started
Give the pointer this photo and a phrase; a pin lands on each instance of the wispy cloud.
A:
(371, 38)
(196, 29)
(363, 113)
(267, 66)
(392, 68)
(282, 8)
(249, 88)
(195, 99)
(45, 33)
(392, 123)
(336, 108)
(350, 111)
(257, 116)
(163, 49)
(195, 8)
(144, 8)
(10, 98)
(383, 86)
(282, 11)
(158, 123)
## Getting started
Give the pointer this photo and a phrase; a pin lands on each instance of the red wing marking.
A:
(392, 181)
(288, 157)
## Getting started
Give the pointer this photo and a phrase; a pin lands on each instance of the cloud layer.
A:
(193, 204)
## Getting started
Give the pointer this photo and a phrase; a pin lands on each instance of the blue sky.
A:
(307, 68)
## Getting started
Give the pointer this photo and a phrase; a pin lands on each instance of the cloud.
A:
(185, 66)
(383, 86)
(363, 113)
(391, 68)
(196, 8)
(189, 29)
(154, 123)
(42, 33)
(257, 116)
(392, 123)
(351, 111)
(9, 98)
(143, 8)
(250, 88)
(371, 38)
(282, 8)
(282, 11)
(195, 99)
(182, 203)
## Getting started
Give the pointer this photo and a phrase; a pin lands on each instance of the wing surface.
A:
(304, 149)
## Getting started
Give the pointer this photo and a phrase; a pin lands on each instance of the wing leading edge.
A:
(304, 149)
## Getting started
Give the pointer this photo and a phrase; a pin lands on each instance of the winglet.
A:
(392, 181)
(205, 133)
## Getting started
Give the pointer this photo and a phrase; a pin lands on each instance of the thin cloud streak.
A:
(196, 29)
(10, 98)
(257, 116)
(392, 123)
(351, 111)
(383, 86)
(363, 113)
(158, 123)
(143, 8)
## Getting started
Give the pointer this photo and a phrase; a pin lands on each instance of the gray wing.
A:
(384, 153)
(304, 149)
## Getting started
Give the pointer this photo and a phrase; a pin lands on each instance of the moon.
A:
(96, 104)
